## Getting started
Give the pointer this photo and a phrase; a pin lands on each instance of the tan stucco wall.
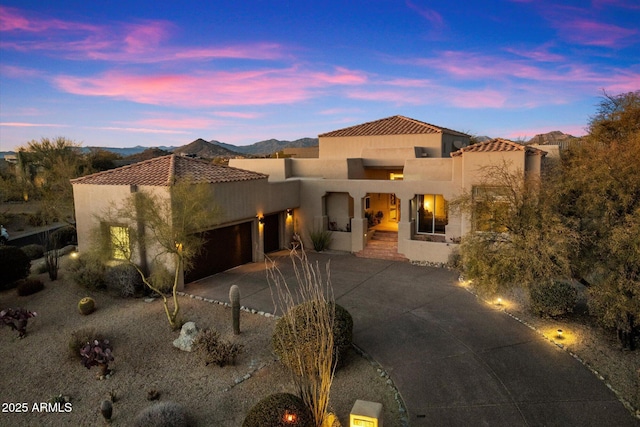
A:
(353, 146)
(428, 169)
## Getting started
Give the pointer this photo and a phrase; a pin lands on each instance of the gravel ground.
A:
(595, 347)
(39, 367)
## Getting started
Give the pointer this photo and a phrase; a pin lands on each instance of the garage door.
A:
(271, 233)
(224, 248)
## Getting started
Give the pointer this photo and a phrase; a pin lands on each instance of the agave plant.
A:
(17, 319)
(97, 353)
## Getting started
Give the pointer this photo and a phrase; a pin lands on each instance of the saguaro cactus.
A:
(234, 297)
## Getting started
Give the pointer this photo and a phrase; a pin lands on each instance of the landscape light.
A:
(499, 301)
(290, 417)
(559, 333)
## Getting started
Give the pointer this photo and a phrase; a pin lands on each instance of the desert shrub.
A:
(14, 265)
(215, 350)
(33, 251)
(125, 279)
(162, 279)
(163, 414)
(283, 340)
(273, 410)
(88, 272)
(29, 286)
(62, 237)
(41, 267)
(554, 298)
(80, 337)
(37, 219)
(321, 239)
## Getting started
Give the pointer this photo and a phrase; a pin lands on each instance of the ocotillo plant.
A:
(234, 296)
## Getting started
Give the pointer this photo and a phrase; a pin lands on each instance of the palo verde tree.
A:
(164, 225)
(518, 238)
(600, 190)
(45, 168)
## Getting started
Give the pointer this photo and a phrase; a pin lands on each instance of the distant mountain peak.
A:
(269, 146)
(553, 137)
(205, 149)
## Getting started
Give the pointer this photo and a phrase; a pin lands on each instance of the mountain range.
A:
(213, 148)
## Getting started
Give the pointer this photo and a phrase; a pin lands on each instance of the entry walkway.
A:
(455, 361)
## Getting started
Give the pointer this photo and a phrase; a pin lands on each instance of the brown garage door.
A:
(224, 248)
(271, 233)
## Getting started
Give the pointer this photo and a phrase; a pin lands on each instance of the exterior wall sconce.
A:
(261, 219)
(289, 212)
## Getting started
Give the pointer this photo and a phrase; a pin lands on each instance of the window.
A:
(119, 242)
(490, 208)
(432, 217)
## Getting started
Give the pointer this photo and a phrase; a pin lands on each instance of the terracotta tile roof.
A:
(496, 145)
(395, 125)
(162, 171)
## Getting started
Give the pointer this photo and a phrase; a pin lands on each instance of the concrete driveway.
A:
(455, 361)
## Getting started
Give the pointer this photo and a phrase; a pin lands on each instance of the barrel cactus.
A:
(234, 297)
(86, 305)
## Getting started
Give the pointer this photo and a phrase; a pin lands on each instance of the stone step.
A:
(382, 248)
(389, 236)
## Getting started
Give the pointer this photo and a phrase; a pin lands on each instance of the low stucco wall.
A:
(432, 252)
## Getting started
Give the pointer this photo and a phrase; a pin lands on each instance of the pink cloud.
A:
(540, 54)
(11, 19)
(250, 51)
(173, 123)
(138, 130)
(237, 114)
(141, 42)
(142, 37)
(16, 72)
(339, 111)
(625, 4)
(429, 14)
(256, 87)
(24, 124)
(595, 33)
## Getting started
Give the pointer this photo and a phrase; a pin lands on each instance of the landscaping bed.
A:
(40, 367)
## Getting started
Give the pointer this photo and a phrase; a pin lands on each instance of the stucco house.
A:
(393, 175)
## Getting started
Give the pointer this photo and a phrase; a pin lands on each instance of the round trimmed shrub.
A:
(125, 279)
(33, 251)
(553, 298)
(162, 414)
(284, 342)
(271, 412)
(62, 237)
(14, 265)
(86, 305)
(29, 286)
(88, 272)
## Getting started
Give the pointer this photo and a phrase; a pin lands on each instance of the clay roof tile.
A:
(164, 171)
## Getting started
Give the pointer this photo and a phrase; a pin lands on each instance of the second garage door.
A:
(224, 248)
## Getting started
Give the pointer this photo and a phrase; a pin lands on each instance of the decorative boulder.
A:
(187, 336)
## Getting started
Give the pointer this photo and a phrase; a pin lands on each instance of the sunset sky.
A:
(156, 73)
